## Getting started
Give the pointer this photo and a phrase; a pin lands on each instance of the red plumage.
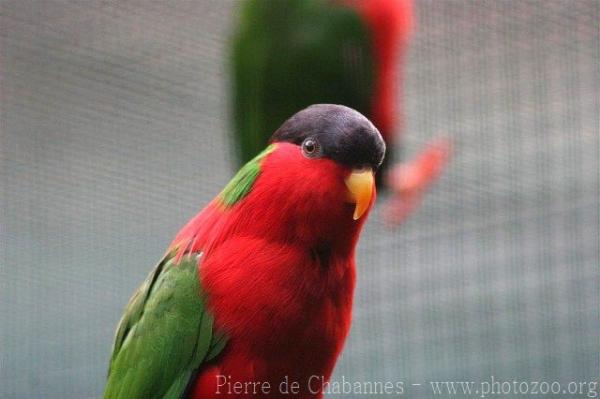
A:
(390, 23)
(279, 273)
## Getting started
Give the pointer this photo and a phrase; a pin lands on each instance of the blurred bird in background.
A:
(289, 54)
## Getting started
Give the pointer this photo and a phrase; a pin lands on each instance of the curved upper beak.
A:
(360, 185)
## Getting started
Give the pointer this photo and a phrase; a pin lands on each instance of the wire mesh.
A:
(115, 132)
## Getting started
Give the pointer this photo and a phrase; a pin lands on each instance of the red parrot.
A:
(257, 288)
(288, 54)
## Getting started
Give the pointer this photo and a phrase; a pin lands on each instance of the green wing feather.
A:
(289, 54)
(242, 182)
(164, 336)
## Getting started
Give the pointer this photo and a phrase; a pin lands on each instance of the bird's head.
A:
(334, 144)
(316, 181)
(314, 184)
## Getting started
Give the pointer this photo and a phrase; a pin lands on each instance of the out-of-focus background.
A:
(115, 129)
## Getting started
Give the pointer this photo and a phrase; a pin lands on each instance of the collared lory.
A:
(288, 54)
(257, 288)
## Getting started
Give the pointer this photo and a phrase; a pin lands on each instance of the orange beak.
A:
(360, 185)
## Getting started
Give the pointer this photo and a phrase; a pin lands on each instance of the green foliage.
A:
(164, 335)
(289, 54)
(242, 182)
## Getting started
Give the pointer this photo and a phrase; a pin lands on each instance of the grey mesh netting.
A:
(115, 130)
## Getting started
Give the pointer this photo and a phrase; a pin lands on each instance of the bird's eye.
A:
(311, 148)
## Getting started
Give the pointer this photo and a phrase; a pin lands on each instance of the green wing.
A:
(289, 54)
(242, 182)
(164, 335)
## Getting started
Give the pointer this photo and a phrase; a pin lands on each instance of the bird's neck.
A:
(289, 225)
